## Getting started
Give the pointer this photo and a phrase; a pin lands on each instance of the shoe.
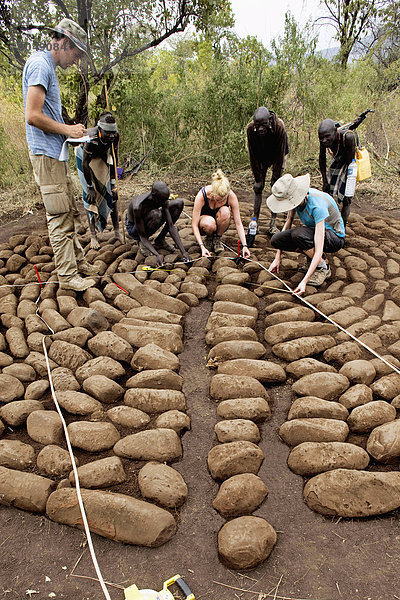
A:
(77, 284)
(208, 241)
(163, 245)
(319, 276)
(218, 246)
(303, 266)
(87, 269)
(144, 250)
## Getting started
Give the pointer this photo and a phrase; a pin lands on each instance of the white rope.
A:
(288, 288)
(74, 467)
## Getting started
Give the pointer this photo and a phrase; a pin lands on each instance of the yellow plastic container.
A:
(363, 164)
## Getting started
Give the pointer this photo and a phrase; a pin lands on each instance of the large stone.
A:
(24, 490)
(216, 320)
(348, 316)
(297, 313)
(139, 336)
(307, 366)
(110, 313)
(351, 493)
(304, 346)
(368, 416)
(282, 332)
(387, 387)
(36, 389)
(92, 436)
(263, 370)
(384, 442)
(126, 416)
(16, 342)
(146, 296)
(333, 305)
(38, 362)
(233, 458)
(153, 401)
(256, 409)
(357, 329)
(234, 308)
(77, 403)
(312, 406)
(359, 371)
(356, 396)
(68, 355)
(64, 379)
(107, 343)
(235, 293)
(343, 353)
(245, 542)
(162, 445)
(15, 413)
(88, 318)
(102, 365)
(144, 313)
(103, 389)
(100, 473)
(237, 429)
(156, 379)
(54, 461)
(24, 373)
(162, 484)
(313, 430)
(115, 516)
(45, 427)
(173, 419)
(224, 387)
(16, 455)
(10, 388)
(236, 349)
(75, 335)
(240, 495)
(152, 356)
(224, 334)
(391, 311)
(327, 386)
(311, 458)
(55, 320)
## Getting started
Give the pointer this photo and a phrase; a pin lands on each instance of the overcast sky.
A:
(265, 19)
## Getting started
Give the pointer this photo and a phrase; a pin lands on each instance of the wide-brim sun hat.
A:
(288, 192)
(74, 32)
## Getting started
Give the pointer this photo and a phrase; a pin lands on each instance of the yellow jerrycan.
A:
(133, 593)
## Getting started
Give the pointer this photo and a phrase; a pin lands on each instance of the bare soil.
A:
(315, 558)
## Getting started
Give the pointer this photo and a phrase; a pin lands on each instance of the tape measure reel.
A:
(133, 592)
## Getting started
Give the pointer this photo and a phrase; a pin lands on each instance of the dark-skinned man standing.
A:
(150, 211)
(268, 145)
(342, 146)
(46, 132)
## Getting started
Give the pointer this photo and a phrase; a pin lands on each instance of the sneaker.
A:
(163, 245)
(144, 250)
(218, 246)
(209, 243)
(319, 276)
(87, 269)
(77, 284)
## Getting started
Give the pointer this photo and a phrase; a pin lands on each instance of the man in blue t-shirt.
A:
(323, 231)
(45, 133)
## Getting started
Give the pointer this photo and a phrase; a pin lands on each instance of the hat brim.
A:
(83, 47)
(278, 205)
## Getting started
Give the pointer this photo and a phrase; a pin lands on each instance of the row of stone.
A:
(244, 541)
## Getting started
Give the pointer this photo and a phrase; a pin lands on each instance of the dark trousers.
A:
(302, 238)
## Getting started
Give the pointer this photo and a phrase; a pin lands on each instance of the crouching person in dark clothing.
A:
(323, 229)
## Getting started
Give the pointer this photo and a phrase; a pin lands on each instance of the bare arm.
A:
(34, 115)
(174, 232)
(198, 205)
(139, 225)
(234, 204)
(349, 147)
(322, 167)
(288, 225)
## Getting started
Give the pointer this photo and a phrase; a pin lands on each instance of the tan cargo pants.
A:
(54, 180)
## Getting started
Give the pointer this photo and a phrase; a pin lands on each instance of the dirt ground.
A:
(315, 558)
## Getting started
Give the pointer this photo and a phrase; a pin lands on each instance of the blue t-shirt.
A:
(40, 69)
(321, 206)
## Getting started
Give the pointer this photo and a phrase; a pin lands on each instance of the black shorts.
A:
(302, 238)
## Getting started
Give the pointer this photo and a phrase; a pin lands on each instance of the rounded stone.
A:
(16, 455)
(356, 396)
(256, 409)
(368, 416)
(237, 429)
(126, 416)
(15, 413)
(384, 442)
(311, 458)
(152, 356)
(311, 407)
(24, 373)
(233, 458)
(103, 388)
(240, 495)
(173, 419)
(77, 403)
(36, 389)
(313, 430)
(100, 473)
(327, 386)
(10, 388)
(45, 427)
(224, 387)
(162, 484)
(245, 542)
(263, 370)
(359, 371)
(162, 445)
(54, 461)
(92, 437)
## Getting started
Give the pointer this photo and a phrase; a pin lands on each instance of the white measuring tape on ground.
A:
(74, 468)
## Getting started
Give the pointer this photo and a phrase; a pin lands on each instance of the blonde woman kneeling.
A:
(212, 211)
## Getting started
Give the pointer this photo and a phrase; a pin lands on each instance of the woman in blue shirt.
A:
(323, 229)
